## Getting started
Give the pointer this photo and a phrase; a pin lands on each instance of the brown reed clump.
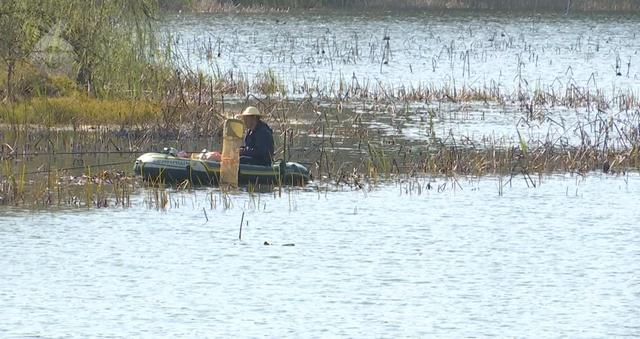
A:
(100, 190)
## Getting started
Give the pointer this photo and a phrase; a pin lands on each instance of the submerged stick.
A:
(241, 221)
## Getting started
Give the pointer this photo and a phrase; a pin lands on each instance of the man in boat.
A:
(258, 141)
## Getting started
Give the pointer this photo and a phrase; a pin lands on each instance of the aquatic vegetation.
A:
(58, 189)
(345, 144)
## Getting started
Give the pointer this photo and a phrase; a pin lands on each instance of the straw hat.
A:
(251, 111)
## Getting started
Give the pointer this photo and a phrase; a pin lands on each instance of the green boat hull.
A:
(169, 169)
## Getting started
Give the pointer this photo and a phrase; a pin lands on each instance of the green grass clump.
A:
(79, 109)
(269, 83)
(29, 82)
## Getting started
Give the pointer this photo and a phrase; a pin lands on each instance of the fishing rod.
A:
(30, 154)
(15, 154)
(33, 154)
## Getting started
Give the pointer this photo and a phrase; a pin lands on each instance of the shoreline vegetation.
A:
(214, 6)
(68, 64)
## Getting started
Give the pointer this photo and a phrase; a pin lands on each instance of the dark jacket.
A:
(258, 145)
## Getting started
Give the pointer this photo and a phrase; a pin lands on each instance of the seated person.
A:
(258, 142)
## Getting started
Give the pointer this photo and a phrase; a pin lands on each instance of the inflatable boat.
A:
(166, 167)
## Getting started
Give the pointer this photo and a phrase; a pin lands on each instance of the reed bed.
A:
(100, 190)
(337, 140)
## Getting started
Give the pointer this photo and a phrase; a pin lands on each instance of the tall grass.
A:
(80, 110)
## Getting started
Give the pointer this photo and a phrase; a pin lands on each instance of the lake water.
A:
(447, 259)
(526, 51)
(558, 260)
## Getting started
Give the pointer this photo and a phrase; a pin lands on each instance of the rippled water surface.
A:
(562, 259)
